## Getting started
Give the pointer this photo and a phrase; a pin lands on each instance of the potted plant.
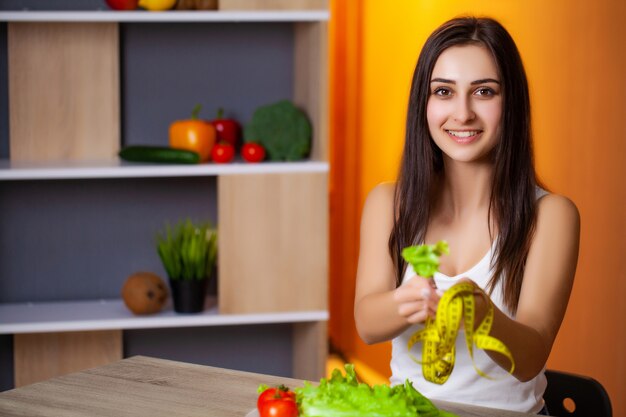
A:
(188, 253)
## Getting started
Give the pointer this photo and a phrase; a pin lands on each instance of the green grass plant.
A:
(188, 251)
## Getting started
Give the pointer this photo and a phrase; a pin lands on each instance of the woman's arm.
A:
(548, 280)
(381, 311)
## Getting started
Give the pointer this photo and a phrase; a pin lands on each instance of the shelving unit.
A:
(13, 171)
(167, 16)
(70, 316)
(55, 135)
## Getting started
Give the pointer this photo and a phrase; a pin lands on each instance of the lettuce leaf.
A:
(344, 396)
(425, 258)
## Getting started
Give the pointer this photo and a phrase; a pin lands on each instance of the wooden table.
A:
(143, 386)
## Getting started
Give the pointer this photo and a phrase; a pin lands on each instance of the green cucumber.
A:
(146, 153)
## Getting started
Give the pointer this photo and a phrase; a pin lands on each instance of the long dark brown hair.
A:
(512, 204)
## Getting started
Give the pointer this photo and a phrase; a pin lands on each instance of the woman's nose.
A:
(463, 111)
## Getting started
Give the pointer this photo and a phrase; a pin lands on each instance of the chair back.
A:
(588, 396)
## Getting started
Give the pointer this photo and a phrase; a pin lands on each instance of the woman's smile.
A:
(464, 136)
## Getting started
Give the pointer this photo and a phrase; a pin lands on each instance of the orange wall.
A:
(576, 64)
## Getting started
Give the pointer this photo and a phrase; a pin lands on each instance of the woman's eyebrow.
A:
(481, 81)
(442, 80)
(485, 81)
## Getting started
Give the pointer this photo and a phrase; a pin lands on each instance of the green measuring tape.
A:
(439, 334)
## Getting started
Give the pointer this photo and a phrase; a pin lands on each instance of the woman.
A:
(467, 177)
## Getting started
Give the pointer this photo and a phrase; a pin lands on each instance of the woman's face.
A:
(465, 103)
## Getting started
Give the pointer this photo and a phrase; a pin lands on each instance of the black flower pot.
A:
(188, 294)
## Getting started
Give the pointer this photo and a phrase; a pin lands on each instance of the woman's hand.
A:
(417, 299)
(481, 302)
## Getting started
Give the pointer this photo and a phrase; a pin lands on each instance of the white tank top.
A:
(464, 384)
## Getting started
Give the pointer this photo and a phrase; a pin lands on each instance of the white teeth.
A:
(463, 133)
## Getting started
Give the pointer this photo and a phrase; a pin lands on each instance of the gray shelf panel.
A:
(80, 239)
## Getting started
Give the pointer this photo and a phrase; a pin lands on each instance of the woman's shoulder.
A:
(555, 207)
(380, 198)
(384, 190)
(555, 202)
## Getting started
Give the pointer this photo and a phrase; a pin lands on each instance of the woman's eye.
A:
(443, 92)
(484, 91)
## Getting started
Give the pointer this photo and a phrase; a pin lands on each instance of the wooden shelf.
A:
(286, 226)
(169, 16)
(68, 316)
(11, 170)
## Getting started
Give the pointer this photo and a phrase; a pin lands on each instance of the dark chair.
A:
(588, 396)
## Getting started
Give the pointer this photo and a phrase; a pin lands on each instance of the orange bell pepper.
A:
(193, 135)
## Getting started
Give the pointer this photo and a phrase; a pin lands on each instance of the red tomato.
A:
(279, 407)
(253, 152)
(222, 153)
(275, 393)
(122, 4)
(277, 402)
